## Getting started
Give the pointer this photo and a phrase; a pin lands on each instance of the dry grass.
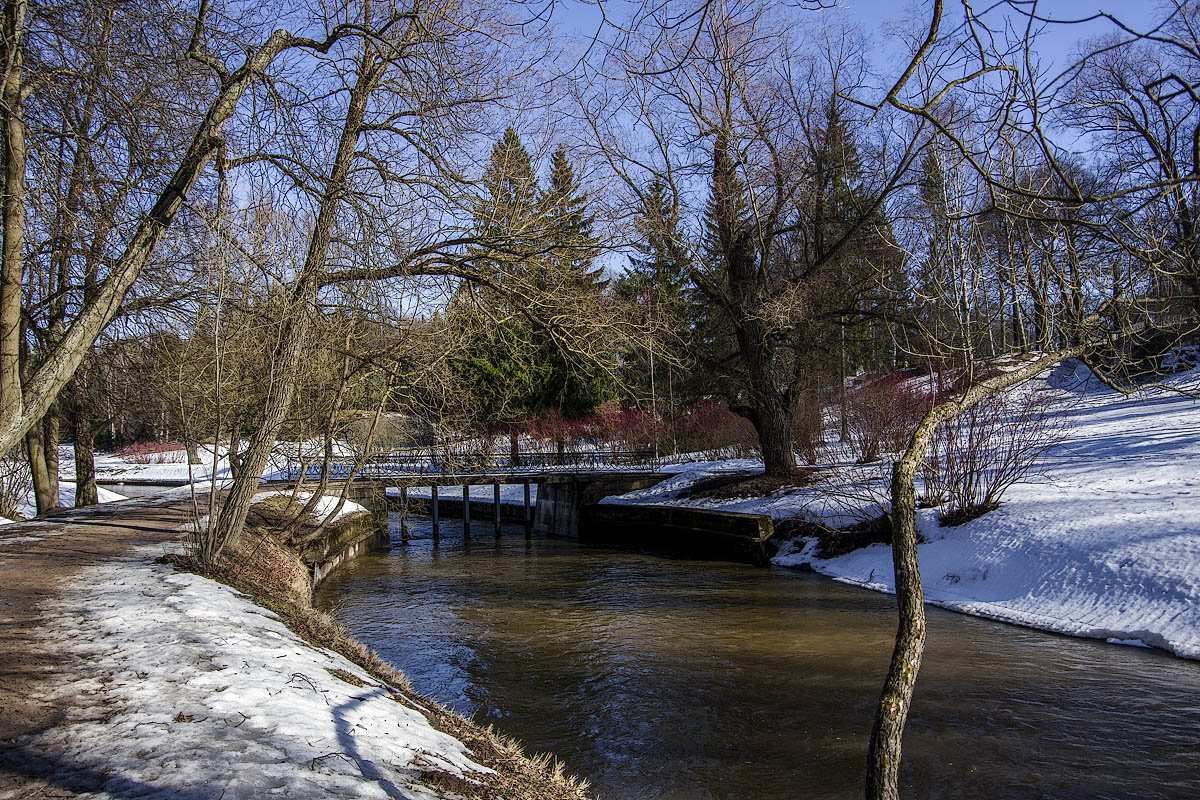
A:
(270, 573)
(733, 487)
(834, 542)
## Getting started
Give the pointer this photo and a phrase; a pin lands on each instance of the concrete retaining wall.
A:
(354, 536)
(690, 532)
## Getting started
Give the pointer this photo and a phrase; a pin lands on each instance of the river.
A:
(656, 677)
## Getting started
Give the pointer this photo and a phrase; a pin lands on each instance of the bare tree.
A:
(736, 103)
(25, 400)
(979, 89)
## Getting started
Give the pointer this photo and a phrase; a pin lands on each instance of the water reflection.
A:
(662, 678)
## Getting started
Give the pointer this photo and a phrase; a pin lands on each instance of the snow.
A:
(1105, 545)
(185, 683)
(171, 466)
(323, 508)
(66, 498)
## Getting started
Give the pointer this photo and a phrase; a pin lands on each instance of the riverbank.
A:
(125, 676)
(1104, 544)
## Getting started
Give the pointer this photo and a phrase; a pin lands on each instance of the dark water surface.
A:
(663, 678)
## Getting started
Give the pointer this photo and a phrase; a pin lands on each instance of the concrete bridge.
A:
(562, 493)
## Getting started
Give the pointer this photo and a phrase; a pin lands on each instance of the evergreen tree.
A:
(512, 362)
(571, 247)
(568, 384)
(507, 217)
(652, 289)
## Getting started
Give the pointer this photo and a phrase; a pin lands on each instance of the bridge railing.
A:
(383, 465)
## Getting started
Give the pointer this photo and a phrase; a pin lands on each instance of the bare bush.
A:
(16, 483)
(809, 429)
(976, 456)
(882, 414)
(710, 428)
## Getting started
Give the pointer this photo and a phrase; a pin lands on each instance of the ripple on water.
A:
(663, 678)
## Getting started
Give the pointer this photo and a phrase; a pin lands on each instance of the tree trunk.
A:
(51, 435)
(233, 455)
(22, 404)
(12, 213)
(35, 453)
(84, 436)
(883, 758)
(775, 423)
(303, 309)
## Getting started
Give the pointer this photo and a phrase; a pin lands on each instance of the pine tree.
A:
(653, 289)
(507, 217)
(568, 384)
(571, 247)
(513, 366)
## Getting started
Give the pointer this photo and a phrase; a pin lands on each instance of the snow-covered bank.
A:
(200, 687)
(1106, 545)
(321, 509)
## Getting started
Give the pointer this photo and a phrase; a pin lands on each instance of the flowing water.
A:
(656, 677)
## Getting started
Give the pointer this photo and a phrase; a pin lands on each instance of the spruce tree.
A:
(653, 289)
(571, 247)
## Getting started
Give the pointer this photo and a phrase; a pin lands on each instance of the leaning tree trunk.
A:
(300, 316)
(883, 759)
(23, 403)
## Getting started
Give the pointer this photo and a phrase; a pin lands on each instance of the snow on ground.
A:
(194, 691)
(323, 508)
(66, 498)
(1107, 545)
(172, 467)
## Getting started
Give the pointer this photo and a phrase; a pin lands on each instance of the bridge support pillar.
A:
(434, 508)
(496, 505)
(528, 515)
(467, 511)
(404, 514)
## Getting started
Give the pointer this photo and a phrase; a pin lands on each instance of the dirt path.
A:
(36, 559)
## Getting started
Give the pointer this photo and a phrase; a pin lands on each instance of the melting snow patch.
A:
(185, 683)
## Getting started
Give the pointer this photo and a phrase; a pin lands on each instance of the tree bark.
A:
(883, 758)
(51, 436)
(85, 454)
(35, 452)
(12, 210)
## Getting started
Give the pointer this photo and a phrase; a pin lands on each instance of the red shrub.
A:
(882, 414)
(152, 452)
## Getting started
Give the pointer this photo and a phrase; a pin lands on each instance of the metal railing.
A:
(384, 465)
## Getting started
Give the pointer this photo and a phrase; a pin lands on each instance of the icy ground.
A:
(1106, 544)
(323, 508)
(193, 691)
